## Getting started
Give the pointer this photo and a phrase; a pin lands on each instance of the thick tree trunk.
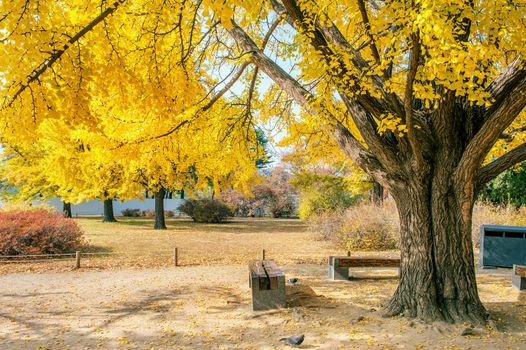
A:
(108, 211)
(159, 223)
(66, 209)
(377, 193)
(437, 272)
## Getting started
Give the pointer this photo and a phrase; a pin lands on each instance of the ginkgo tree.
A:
(416, 93)
(430, 87)
(150, 126)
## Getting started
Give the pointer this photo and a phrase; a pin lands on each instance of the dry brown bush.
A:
(489, 214)
(371, 227)
(362, 227)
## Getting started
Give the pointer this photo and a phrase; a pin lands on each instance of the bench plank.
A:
(367, 262)
(520, 270)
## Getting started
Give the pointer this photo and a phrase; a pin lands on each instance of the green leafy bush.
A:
(38, 232)
(205, 210)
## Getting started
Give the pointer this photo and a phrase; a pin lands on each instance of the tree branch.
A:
(509, 136)
(367, 25)
(493, 169)
(55, 56)
(318, 41)
(505, 82)
(293, 88)
(231, 83)
(414, 58)
(509, 90)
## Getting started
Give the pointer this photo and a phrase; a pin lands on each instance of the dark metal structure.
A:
(502, 246)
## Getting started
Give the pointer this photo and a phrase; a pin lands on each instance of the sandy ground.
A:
(208, 307)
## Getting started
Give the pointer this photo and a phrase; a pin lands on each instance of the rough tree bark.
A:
(66, 209)
(437, 273)
(377, 193)
(159, 223)
(108, 211)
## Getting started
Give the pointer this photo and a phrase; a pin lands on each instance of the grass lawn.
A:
(132, 242)
(240, 239)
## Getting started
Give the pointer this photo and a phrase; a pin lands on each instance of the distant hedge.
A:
(205, 210)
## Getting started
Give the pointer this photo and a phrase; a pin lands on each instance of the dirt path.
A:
(209, 308)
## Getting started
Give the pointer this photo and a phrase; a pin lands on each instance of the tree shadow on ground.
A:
(509, 316)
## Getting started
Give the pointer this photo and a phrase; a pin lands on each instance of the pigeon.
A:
(297, 340)
(293, 280)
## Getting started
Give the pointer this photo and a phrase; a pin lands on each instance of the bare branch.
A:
(231, 83)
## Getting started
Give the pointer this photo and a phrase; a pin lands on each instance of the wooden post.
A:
(77, 259)
(176, 256)
(348, 253)
(263, 254)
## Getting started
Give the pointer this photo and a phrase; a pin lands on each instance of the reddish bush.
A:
(275, 197)
(38, 232)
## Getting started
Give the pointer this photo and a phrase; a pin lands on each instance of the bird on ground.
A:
(294, 340)
(293, 280)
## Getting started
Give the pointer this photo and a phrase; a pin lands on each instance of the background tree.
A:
(107, 139)
(507, 188)
(322, 190)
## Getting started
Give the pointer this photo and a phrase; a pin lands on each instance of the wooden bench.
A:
(518, 277)
(339, 265)
(268, 285)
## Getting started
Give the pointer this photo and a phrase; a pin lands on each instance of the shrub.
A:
(274, 197)
(363, 227)
(25, 206)
(487, 214)
(131, 212)
(205, 210)
(369, 227)
(149, 213)
(38, 232)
